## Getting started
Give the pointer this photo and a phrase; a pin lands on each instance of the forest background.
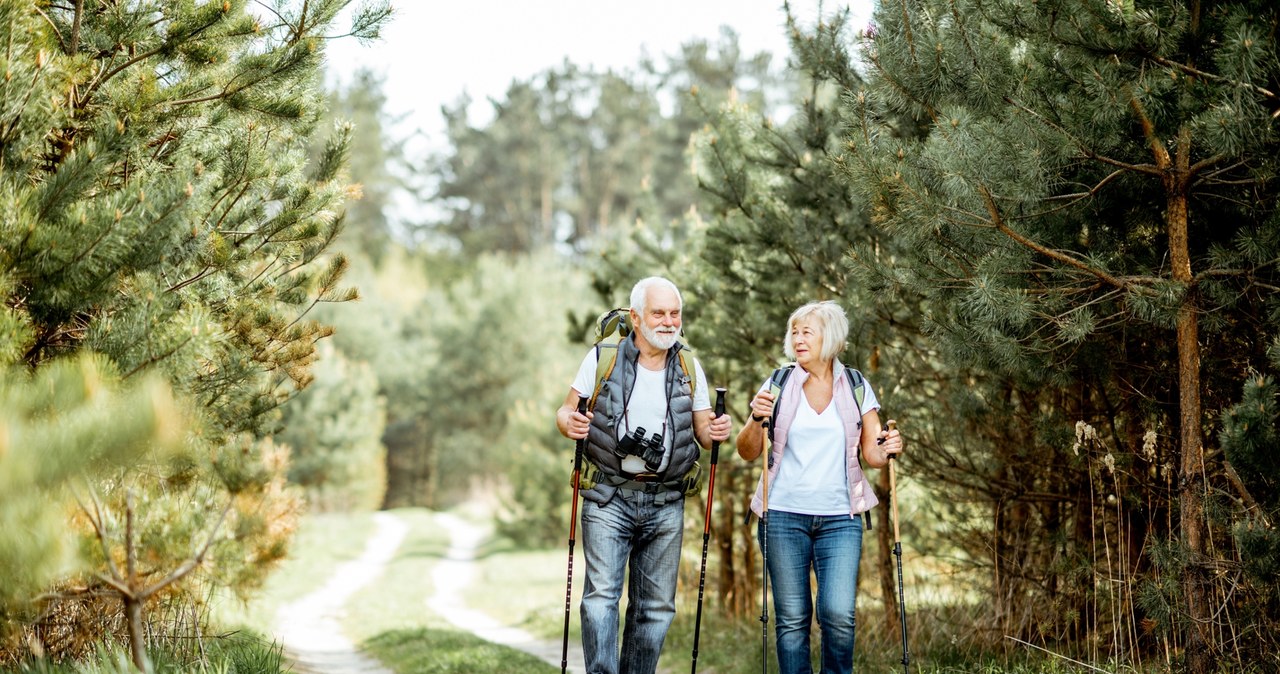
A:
(1054, 227)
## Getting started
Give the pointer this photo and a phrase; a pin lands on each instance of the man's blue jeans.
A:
(642, 531)
(831, 546)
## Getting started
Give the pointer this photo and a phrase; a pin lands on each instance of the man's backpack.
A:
(612, 327)
(856, 382)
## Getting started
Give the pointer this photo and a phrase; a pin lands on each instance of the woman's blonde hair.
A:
(830, 321)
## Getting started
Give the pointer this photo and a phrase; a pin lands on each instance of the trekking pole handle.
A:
(893, 426)
(578, 447)
(715, 445)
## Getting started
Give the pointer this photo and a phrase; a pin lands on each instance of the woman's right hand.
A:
(762, 406)
(751, 439)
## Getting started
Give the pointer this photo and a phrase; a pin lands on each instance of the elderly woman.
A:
(825, 429)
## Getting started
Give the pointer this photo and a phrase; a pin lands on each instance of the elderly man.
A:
(633, 509)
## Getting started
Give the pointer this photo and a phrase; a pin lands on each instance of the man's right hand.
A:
(572, 424)
(579, 424)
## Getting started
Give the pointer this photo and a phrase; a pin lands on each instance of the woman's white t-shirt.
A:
(812, 479)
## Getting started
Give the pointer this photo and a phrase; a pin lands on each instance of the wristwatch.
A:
(757, 419)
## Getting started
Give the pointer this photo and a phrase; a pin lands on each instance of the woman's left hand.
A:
(890, 441)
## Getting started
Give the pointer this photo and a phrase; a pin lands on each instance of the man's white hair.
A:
(640, 292)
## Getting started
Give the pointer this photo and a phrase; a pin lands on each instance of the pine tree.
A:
(57, 423)
(159, 211)
(1092, 213)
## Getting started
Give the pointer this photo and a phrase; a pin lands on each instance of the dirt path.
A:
(310, 628)
(457, 571)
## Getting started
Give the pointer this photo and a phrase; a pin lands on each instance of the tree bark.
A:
(884, 561)
(1192, 481)
(137, 639)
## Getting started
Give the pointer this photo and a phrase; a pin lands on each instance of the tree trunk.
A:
(137, 640)
(1192, 488)
(884, 545)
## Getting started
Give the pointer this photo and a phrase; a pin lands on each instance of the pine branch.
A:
(997, 220)
(191, 564)
(17, 119)
(95, 519)
(156, 358)
(906, 25)
(902, 89)
(1139, 168)
(1092, 192)
(61, 41)
(1210, 76)
(81, 101)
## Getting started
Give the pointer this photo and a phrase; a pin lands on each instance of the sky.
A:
(434, 51)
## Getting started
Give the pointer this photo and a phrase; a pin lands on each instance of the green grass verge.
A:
(525, 589)
(435, 651)
(243, 653)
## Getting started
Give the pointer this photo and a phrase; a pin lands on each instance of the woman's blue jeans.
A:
(636, 535)
(830, 546)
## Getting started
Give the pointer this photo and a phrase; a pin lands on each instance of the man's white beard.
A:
(660, 340)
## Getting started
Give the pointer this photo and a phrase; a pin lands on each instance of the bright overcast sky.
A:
(435, 50)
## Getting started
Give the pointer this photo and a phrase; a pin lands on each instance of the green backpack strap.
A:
(606, 357)
(859, 385)
(689, 372)
(611, 327)
(776, 381)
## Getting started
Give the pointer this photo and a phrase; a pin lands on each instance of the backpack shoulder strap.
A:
(689, 371)
(777, 381)
(606, 357)
(858, 384)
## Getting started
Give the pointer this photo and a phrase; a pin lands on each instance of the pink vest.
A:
(861, 496)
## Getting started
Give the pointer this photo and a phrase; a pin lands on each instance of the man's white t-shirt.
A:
(646, 405)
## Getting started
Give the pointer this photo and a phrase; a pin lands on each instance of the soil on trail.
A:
(311, 630)
(457, 571)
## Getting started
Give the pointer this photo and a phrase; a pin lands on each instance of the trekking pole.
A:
(706, 528)
(764, 558)
(897, 552)
(573, 524)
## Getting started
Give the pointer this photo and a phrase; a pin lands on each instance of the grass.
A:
(435, 651)
(391, 621)
(245, 653)
(525, 588)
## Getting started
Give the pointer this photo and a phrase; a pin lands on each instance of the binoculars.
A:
(649, 449)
